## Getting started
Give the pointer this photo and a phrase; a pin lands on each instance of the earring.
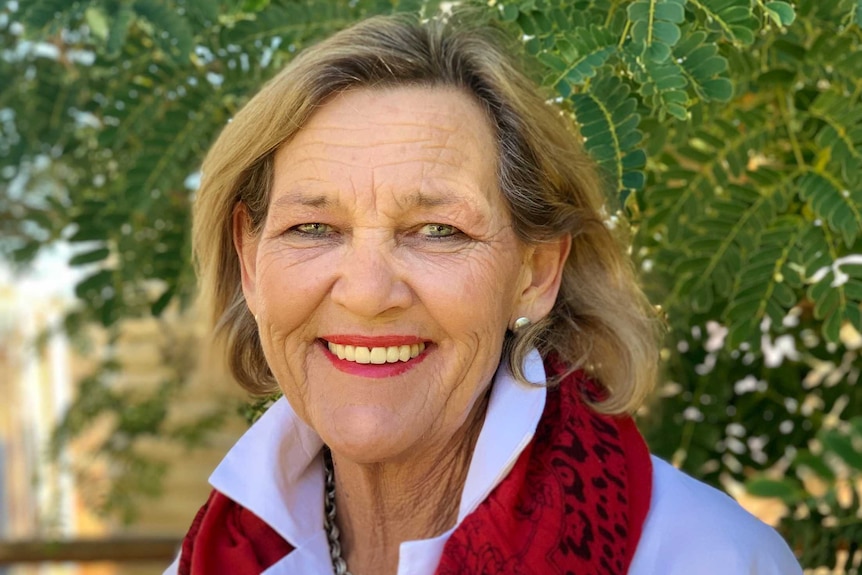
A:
(521, 323)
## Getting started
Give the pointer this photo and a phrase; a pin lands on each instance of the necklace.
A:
(338, 562)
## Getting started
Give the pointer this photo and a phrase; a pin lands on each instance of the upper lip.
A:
(373, 340)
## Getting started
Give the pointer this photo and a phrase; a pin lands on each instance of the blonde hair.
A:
(601, 321)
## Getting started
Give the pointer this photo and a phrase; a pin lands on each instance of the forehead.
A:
(414, 136)
(420, 111)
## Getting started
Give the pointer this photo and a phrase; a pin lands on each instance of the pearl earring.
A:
(521, 323)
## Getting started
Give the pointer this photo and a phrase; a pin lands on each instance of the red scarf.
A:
(574, 502)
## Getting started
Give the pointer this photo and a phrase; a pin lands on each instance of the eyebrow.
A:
(318, 200)
(300, 198)
(422, 200)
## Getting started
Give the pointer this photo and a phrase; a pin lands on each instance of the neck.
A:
(381, 505)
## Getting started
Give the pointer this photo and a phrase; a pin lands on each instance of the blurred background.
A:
(730, 135)
(112, 489)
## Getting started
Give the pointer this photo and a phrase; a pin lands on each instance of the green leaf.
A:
(93, 283)
(661, 84)
(831, 201)
(608, 121)
(162, 302)
(703, 67)
(786, 489)
(732, 18)
(842, 446)
(588, 50)
(781, 13)
(842, 133)
(509, 12)
(119, 28)
(654, 27)
(757, 289)
(89, 257)
(96, 22)
(815, 463)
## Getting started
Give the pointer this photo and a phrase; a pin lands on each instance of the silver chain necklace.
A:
(338, 562)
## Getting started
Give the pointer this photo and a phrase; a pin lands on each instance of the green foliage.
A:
(654, 27)
(730, 131)
(609, 124)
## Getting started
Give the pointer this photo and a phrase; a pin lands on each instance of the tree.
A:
(729, 130)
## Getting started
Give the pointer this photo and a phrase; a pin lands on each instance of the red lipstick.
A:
(373, 340)
(371, 370)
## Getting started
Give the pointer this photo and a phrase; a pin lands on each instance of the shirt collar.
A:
(275, 470)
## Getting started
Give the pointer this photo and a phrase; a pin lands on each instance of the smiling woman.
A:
(394, 234)
(401, 235)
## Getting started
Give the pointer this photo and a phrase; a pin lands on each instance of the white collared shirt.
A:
(275, 470)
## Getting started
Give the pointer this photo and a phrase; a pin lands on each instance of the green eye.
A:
(439, 230)
(313, 229)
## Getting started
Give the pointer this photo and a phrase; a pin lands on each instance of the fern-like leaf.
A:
(581, 53)
(779, 12)
(836, 205)
(725, 236)
(703, 67)
(655, 27)
(662, 85)
(609, 121)
(710, 161)
(842, 134)
(732, 18)
(765, 285)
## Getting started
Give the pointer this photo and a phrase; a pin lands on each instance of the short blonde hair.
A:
(601, 322)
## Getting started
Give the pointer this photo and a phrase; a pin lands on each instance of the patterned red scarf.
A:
(574, 502)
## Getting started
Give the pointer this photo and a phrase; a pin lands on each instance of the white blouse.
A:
(275, 470)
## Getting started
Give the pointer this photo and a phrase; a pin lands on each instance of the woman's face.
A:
(387, 270)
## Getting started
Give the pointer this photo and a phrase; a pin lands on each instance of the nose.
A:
(370, 281)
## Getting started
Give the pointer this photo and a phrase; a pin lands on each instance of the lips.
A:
(378, 356)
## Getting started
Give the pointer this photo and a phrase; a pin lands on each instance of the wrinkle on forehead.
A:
(346, 114)
(417, 151)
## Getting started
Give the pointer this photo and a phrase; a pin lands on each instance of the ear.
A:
(544, 267)
(245, 243)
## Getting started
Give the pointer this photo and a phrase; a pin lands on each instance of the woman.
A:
(403, 237)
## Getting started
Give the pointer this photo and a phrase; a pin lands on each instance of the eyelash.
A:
(298, 229)
(328, 230)
(454, 232)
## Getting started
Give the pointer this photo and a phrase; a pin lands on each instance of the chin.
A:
(369, 435)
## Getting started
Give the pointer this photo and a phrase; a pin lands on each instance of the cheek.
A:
(479, 289)
(288, 295)
(288, 289)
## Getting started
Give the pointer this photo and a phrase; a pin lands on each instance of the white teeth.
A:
(363, 354)
(376, 355)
